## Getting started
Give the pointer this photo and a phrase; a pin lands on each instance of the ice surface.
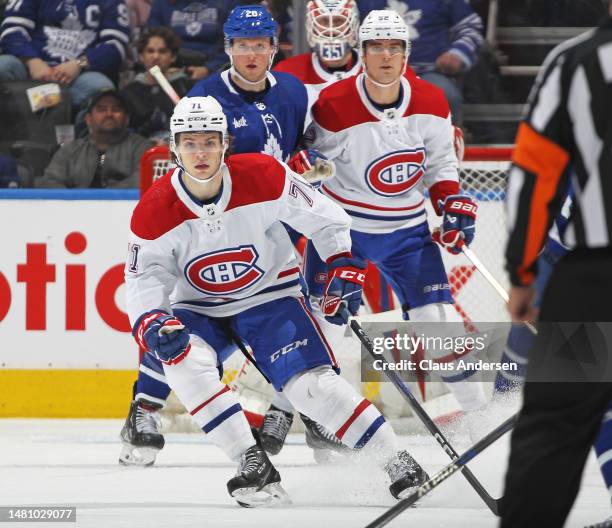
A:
(74, 463)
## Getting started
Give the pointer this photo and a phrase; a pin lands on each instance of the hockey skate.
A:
(140, 436)
(405, 473)
(325, 446)
(274, 430)
(257, 483)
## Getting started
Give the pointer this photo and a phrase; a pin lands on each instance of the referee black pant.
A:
(559, 420)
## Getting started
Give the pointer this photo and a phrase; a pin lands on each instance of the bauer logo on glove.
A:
(458, 223)
(344, 288)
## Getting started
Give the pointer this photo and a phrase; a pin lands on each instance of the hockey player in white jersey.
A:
(210, 264)
(390, 138)
(265, 113)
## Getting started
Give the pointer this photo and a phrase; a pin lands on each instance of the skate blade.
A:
(271, 495)
(137, 456)
(406, 493)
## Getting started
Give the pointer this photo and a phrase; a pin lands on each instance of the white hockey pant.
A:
(213, 406)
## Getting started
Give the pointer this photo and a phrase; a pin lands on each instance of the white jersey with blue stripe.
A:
(222, 258)
(385, 159)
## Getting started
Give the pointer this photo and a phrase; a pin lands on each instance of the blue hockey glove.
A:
(164, 335)
(345, 278)
(458, 223)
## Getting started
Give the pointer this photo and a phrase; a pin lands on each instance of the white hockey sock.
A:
(469, 393)
(281, 402)
(331, 401)
(213, 406)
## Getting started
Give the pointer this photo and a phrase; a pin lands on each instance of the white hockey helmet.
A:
(332, 27)
(384, 25)
(197, 114)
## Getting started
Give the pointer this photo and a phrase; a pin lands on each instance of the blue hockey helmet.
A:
(250, 21)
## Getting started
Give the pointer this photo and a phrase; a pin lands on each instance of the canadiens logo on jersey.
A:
(224, 272)
(397, 172)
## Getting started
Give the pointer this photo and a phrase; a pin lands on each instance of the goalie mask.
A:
(197, 114)
(384, 25)
(332, 27)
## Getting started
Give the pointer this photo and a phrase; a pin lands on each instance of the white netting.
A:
(476, 300)
(485, 181)
(160, 167)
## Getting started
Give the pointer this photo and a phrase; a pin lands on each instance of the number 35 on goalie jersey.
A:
(385, 159)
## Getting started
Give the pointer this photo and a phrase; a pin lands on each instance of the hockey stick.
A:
(471, 256)
(417, 408)
(479, 265)
(459, 464)
(158, 75)
(242, 347)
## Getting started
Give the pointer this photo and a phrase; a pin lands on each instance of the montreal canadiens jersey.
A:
(385, 159)
(223, 258)
(272, 125)
(61, 30)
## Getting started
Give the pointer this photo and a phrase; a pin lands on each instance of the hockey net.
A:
(483, 175)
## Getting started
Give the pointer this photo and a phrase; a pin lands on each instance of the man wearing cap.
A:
(108, 157)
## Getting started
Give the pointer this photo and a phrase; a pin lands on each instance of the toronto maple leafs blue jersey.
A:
(271, 123)
(435, 26)
(57, 31)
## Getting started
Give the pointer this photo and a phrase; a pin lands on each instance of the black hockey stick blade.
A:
(492, 503)
(442, 475)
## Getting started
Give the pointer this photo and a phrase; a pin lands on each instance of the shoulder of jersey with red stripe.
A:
(255, 178)
(339, 106)
(426, 98)
(160, 210)
(300, 66)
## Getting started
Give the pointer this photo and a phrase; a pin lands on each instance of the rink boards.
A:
(66, 344)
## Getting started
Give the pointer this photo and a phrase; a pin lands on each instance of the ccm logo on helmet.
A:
(226, 271)
(396, 173)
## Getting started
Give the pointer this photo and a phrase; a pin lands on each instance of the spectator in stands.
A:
(200, 26)
(446, 37)
(9, 173)
(149, 106)
(139, 11)
(108, 158)
(80, 44)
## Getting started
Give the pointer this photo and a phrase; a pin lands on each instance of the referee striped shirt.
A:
(565, 138)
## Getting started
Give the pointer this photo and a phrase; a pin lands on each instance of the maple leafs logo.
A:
(272, 147)
(410, 17)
